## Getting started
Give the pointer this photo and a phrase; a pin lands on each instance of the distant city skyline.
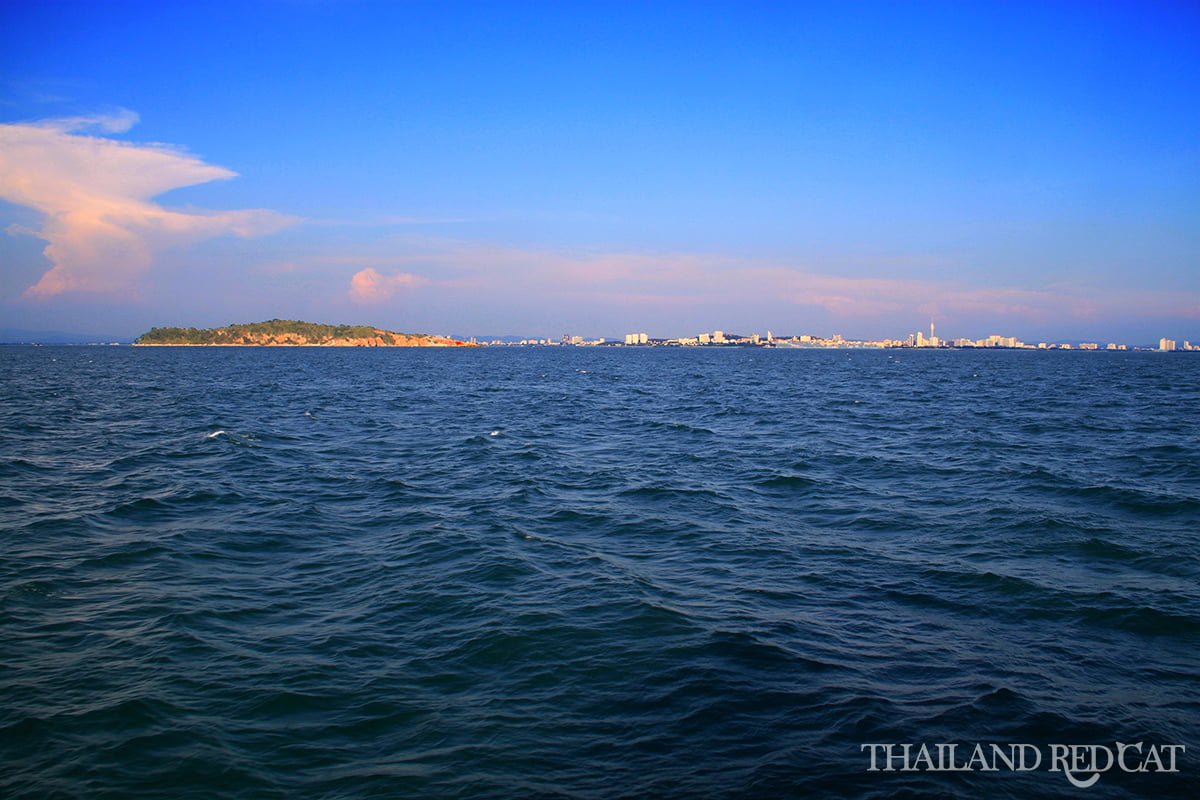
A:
(521, 168)
(916, 340)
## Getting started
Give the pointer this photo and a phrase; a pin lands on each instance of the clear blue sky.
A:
(1022, 168)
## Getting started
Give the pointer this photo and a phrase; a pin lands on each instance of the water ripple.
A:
(580, 573)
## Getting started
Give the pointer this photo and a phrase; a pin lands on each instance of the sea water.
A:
(590, 573)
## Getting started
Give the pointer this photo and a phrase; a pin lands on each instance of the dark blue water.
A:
(587, 573)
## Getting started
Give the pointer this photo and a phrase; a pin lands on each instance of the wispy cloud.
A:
(119, 120)
(101, 226)
(640, 282)
(387, 221)
(370, 286)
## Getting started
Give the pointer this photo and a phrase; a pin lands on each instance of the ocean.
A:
(591, 573)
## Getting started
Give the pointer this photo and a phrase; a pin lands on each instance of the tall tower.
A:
(931, 336)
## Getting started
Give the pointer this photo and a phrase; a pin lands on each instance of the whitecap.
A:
(215, 434)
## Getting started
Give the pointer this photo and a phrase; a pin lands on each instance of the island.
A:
(290, 333)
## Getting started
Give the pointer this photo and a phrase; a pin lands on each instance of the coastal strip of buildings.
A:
(917, 339)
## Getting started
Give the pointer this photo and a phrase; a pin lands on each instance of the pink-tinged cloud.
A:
(101, 227)
(369, 286)
(633, 279)
(648, 285)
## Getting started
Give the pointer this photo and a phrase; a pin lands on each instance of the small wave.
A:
(479, 439)
(1143, 620)
(668, 491)
(788, 482)
(244, 440)
(525, 536)
(128, 555)
(1141, 500)
(33, 588)
(1102, 548)
(679, 426)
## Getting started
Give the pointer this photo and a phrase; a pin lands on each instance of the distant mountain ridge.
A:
(293, 333)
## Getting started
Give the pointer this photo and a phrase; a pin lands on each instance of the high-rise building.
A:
(1166, 345)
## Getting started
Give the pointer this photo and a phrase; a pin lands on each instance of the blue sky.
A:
(538, 169)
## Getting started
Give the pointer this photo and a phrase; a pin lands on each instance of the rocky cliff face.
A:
(292, 333)
(380, 339)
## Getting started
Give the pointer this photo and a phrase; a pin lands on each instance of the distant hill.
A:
(289, 332)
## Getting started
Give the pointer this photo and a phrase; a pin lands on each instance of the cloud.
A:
(634, 284)
(387, 221)
(118, 121)
(101, 227)
(369, 286)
